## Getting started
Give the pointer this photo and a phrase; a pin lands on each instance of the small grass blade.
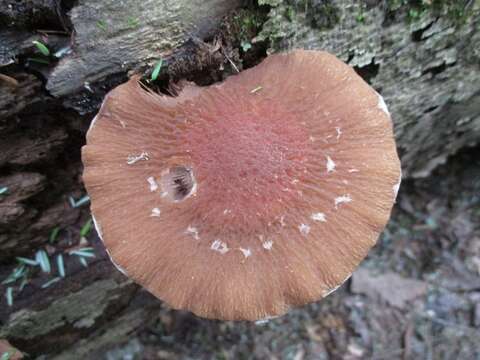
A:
(16, 274)
(63, 51)
(3, 190)
(42, 258)
(83, 261)
(9, 296)
(88, 248)
(72, 201)
(38, 60)
(23, 283)
(27, 261)
(82, 201)
(85, 230)
(50, 282)
(42, 48)
(19, 271)
(10, 279)
(54, 234)
(82, 253)
(60, 265)
(156, 70)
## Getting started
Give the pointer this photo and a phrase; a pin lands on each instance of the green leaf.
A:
(156, 70)
(3, 190)
(54, 234)
(85, 230)
(42, 48)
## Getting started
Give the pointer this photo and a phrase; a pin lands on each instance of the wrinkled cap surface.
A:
(246, 198)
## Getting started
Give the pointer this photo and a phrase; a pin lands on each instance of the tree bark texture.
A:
(428, 71)
(427, 68)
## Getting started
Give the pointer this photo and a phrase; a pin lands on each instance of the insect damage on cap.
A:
(243, 199)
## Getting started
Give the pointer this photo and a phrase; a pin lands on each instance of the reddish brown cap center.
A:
(248, 162)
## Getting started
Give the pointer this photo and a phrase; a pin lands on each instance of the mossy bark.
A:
(424, 61)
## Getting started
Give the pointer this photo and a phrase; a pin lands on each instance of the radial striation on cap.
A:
(243, 199)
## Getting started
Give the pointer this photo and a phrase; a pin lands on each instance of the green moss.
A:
(360, 16)
(325, 14)
(270, 2)
(288, 17)
(247, 24)
(80, 309)
(278, 26)
(289, 13)
(456, 10)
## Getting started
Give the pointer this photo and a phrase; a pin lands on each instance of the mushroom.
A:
(245, 198)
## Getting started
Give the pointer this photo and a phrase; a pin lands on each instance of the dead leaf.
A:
(390, 287)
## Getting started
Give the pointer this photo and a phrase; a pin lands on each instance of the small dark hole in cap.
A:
(178, 183)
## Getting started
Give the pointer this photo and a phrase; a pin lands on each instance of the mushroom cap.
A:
(245, 198)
